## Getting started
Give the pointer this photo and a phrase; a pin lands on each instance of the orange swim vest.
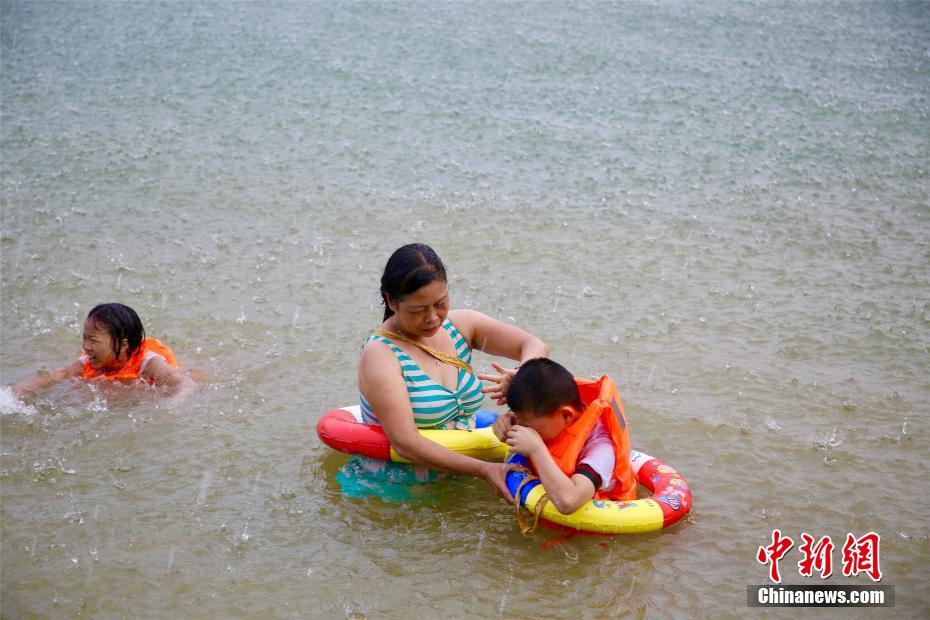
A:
(602, 402)
(132, 369)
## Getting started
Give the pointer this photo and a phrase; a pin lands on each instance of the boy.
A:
(115, 348)
(573, 431)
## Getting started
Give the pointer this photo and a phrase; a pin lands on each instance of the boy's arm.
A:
(164, 374)
(37, 383)
(566, 494)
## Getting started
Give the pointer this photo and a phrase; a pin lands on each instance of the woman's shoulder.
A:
(377, 367)
(375, 351)
(469, 322)
(465, 320)
(374, 342)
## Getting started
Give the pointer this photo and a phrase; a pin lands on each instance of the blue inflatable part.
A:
(484, 418)
(514, 478)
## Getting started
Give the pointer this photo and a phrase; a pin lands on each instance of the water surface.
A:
(722, 205)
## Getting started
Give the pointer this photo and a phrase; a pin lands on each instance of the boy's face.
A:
(98, 346)
(548, 426)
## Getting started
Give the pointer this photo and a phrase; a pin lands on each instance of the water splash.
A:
(10, 405)
(828, 441)
(99, 405)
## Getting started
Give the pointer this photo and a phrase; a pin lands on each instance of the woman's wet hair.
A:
(410, 268)
(122, 323)
(540, 387)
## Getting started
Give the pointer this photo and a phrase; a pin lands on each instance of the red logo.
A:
(819, 556)
(860, 555)
(773, 553)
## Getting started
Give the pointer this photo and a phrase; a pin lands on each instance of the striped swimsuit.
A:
(433, 404)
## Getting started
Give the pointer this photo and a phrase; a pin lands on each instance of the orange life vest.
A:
(602, 402)
(132, 369)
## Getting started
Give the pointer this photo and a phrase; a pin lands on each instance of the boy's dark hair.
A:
(122, 323)
(410, 268)
(541, 386)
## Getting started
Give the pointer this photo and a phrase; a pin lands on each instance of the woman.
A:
(415, 372)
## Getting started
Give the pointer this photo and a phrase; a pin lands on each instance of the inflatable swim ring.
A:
(343, 430)
(670, 502)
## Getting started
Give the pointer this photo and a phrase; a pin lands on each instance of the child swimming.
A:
(115, 348)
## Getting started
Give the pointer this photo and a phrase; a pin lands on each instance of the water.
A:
(723, 205)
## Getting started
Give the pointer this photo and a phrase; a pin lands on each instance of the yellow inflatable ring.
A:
(343, 430)
(670, 502)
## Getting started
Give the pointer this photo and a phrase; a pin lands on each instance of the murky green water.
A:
(723, 205)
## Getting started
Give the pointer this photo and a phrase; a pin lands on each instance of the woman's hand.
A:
(496, 475)
(524, 440)
(501, 382)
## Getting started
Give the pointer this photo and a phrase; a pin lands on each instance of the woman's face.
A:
(421, 313)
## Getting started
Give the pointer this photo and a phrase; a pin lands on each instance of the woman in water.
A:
(415, 371)
(115, 348)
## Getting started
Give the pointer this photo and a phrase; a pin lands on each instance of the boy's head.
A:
(112, 332)
(543, 395)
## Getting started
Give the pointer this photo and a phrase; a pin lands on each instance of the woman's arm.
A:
(496, 338)
(37, 383)
(162, 373)
(381, 382)
(566, 494)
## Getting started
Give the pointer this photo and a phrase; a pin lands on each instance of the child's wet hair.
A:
(122, 323)
(540, 387)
